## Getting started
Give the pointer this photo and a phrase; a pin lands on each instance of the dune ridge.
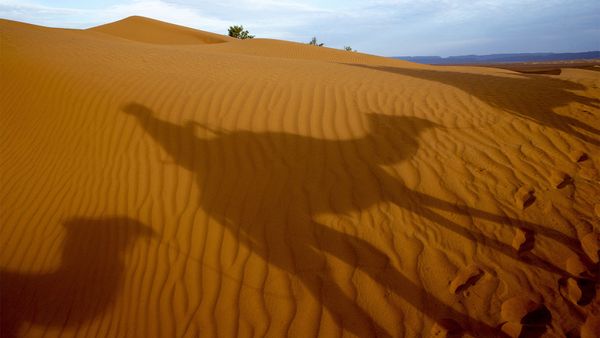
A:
(289, 190)
(142, 29)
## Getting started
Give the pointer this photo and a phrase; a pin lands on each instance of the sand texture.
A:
(159, 181)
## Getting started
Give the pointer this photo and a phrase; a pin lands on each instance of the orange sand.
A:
(159, 181)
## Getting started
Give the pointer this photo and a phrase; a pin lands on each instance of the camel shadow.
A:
(266, 189)
(86, 283)
(530, 96)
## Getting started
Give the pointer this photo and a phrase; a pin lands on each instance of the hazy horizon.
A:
(506, 53)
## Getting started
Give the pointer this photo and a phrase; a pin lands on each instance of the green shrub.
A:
(238, 32)
(314, 42)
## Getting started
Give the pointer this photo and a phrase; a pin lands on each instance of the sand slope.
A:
(141, 29)
(155, 184)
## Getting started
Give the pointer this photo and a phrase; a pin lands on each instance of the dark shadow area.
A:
(586, 288)
(530, 96)
(536, 323)
(550, 68)
(85, 285)
(528, 244)
(266, 188)
(470, 282)
(529, 201)
(588, 291)
(553, 71)
(568, 180)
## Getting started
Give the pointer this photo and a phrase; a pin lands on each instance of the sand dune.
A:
(159, 181)
(141, 29)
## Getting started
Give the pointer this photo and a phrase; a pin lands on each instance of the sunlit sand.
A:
(160, 181)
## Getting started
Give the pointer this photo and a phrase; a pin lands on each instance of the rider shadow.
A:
(85, 284)
(530, 96)
(267, 188)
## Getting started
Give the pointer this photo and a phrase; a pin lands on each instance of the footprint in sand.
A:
(523, 240)
(524, 317)
(560, 179)
(524, 197)
(580, 288)
(580, 291)
(578, 155)
(465, 277)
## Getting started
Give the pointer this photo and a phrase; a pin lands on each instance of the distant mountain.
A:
(500, 58)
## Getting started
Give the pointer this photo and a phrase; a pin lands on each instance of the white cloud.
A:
(84, 18)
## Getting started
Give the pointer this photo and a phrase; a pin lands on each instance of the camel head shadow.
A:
(118, 234)
(85, 284)
(137, 110)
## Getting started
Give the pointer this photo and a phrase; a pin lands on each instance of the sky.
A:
(381, 27)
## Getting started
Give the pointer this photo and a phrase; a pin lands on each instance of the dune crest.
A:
(271, 188)
(142, 29)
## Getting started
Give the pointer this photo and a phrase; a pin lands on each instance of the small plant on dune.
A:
(349, 49)
(238, 32)
(314, 42)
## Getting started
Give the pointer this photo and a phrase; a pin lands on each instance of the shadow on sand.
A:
(267, 188)
(530, 96)
(86, 283)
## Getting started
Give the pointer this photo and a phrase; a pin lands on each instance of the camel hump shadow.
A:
(85, 284)
(307, 167)
(406, 128)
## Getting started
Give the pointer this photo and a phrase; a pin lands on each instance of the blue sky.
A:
(383, 27)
